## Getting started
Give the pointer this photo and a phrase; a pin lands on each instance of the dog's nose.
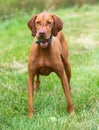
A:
(42, 33)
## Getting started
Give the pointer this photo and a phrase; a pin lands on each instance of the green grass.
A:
(81, 28)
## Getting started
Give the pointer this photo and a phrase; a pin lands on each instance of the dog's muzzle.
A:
(44, 42)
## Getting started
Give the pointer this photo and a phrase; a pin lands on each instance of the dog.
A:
(49, 53)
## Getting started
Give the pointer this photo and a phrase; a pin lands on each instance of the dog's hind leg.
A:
(37, 82)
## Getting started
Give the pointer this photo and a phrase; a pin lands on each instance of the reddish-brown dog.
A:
(49, 53)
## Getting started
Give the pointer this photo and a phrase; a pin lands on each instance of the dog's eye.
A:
(48, 23)
(38, 23)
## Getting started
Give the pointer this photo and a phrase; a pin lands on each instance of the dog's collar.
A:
(46, 40)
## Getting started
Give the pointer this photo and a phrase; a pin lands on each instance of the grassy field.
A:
(81, 28)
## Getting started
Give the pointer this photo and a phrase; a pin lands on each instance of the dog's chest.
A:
(44, 67)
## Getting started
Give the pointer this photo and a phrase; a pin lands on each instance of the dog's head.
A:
(44, 25)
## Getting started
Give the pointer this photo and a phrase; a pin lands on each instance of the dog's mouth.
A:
(43, 42)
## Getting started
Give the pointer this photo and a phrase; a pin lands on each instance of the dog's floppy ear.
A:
(58, 25)
(31, 25)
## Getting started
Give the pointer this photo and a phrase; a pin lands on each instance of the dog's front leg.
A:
(65, 85)
(67, 92)
(30, 96)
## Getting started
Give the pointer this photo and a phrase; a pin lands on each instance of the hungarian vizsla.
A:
(49, 53)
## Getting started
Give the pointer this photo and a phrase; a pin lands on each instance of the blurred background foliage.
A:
(9, 7)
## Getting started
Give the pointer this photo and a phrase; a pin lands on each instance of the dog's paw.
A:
(30, 113)
(70, 109)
